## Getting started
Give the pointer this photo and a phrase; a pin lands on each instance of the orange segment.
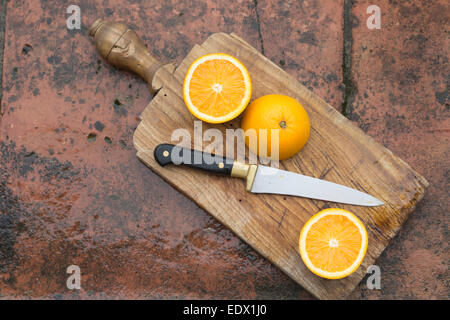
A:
(333, 243)
(217, 88)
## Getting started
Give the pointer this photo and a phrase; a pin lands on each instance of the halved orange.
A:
(333, 243)
(217, 88)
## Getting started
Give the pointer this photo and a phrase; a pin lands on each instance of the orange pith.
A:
(333, 243)
(217, 88)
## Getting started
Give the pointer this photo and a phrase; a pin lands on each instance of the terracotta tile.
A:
(73, 191)
(400, 74)
(305, 39)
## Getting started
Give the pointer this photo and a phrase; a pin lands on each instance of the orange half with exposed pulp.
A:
(217, 88)
(333, 243)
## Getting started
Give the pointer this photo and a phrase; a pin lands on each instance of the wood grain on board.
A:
(337, 151)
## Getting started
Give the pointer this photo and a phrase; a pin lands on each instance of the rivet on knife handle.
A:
(170, 154)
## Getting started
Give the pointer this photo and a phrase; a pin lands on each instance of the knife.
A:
(263, 179)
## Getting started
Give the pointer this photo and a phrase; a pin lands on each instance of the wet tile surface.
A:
(73, 192)
(400, 73)
(305, 39)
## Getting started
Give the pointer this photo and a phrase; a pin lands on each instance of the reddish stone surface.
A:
(400, 73)
(73, 192)
(305, 39)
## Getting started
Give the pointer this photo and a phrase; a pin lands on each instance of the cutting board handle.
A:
(123, 48)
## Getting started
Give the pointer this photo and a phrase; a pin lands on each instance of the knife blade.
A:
(263, 179)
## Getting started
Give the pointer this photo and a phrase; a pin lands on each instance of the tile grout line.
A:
(261, 41)
(2, 48)
(347, 80)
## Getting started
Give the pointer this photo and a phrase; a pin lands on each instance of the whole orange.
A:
(276, 111)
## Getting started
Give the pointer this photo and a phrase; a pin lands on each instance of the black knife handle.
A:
(170, 154)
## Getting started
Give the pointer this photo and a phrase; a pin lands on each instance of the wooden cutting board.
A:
(337, 151)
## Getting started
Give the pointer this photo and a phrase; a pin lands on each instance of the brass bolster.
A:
(251, 176)
(239, 170)
(244, 171)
